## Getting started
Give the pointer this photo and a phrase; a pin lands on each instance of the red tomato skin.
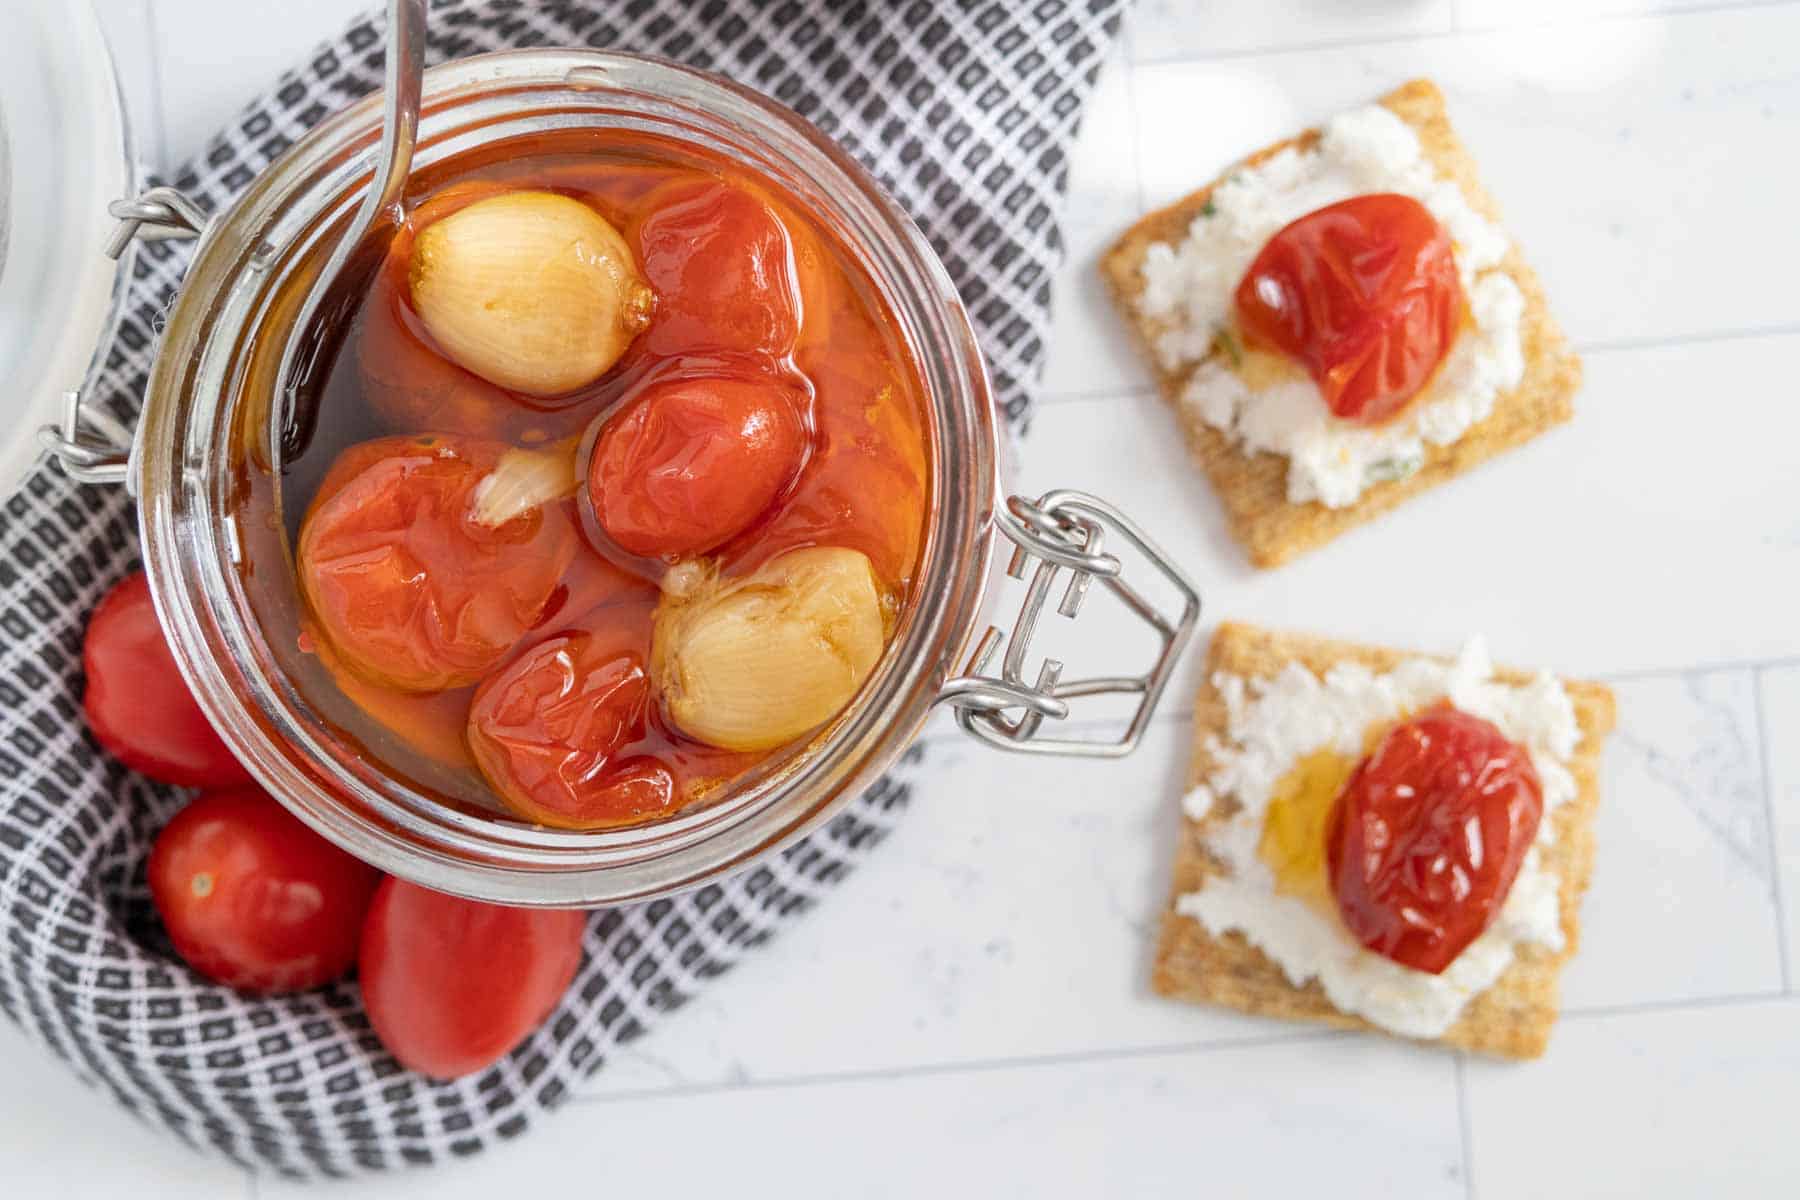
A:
(687, 464)
(1428, 835)
(547, 728)
(722, 266)
(452, 985)
(1363, 293)
(866, 484)
(137, 704)
(254, 899)
(411, 592)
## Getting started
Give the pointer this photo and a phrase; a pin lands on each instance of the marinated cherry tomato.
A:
(435, 724)
(1363, 293)
(412, 590)
(546, 729)
(722, 267)
(689, 463)
(1428, 834)
(451, 985)
(614, 189)
(865, 484)
(593, 580)
(824, 304)
(428, 723)
(137, 704)
(253, 898)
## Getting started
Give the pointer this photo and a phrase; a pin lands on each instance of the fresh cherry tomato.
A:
(722, 266)
(412, 591)
(1428, 834)
(254, 899)
(1364, 293)
(137, 704)
(547, 729)
(451, 985)
(687, 464)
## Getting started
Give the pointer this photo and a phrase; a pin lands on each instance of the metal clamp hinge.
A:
(156, 214)
(90, 444)
(1066, 531)
(100, 456)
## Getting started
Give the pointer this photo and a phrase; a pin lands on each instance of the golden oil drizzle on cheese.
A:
(1261, 370)
(1293, 835)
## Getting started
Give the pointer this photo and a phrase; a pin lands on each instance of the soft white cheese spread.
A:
(1275, 723)
(1189, 289)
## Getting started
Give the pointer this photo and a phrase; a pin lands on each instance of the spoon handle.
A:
(293, 413)
(400, 111)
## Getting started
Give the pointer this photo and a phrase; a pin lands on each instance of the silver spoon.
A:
(363, 243)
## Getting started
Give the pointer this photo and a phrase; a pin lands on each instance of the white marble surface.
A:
(969, 1014)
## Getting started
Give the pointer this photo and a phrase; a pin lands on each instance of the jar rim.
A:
(193, 551)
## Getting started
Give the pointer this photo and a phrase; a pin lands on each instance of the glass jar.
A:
(221, 570)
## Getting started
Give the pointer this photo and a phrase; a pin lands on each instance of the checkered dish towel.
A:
(964, 110)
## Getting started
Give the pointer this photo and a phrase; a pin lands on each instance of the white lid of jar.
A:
(64, 156)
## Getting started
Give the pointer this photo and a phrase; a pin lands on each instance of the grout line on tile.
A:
(1271, 51)
(1598, 346)
(1185, 711)
(1456, 30)
(1722, 6)
(1131, 109)
(1704, 668)
(1749, 333)
(1462, 1124)
(1299, 1036)
(157, 116)
(1123, 392)
(1696, 1004)
(1129, 390)
(970, 1067)
(1768, 783)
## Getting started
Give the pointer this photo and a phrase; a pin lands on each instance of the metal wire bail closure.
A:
(90, 444)
(1065, 531)
(157, 214)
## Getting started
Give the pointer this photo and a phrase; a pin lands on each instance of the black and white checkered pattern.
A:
(964, 109)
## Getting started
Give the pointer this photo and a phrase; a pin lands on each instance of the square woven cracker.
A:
(1513, 1018)
(1254, 486)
